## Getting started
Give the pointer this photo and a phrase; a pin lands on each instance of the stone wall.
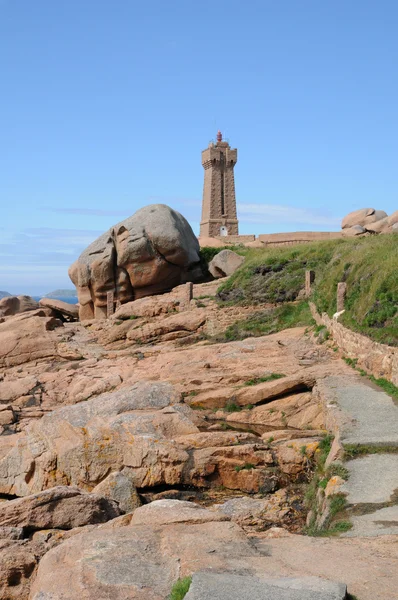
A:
(377, 359)
(298, 237)
(279, 239)
(236, 239)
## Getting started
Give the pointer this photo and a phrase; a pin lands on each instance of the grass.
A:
(338, 502)
(368, 265)
(226, 427)
(268, 321)
(321, 455)
(388, 387)
(351, 362)
(337, 469)
(257, 380)
(321, 329)
(324, 448)
(231, 406)
(180, 588)
(269, 275)
(335, 529)
(355, 450)
(318, 329)
(245, 467)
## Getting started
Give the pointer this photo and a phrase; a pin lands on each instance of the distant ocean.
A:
(68, 299)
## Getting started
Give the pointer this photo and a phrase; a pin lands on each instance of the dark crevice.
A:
(9, 497)
(171, 492)
(295, 389)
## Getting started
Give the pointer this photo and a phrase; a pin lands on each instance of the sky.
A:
(106, 105)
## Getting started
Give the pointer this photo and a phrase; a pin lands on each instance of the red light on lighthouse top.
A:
(219, 136)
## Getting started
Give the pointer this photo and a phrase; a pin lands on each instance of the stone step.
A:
(366, 416)
(229, 586)
(373, 479)
(371, 492)
(381, 522)
(363, 413)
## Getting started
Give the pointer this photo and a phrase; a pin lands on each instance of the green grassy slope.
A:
(369, 266)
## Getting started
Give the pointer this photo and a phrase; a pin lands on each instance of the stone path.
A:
(366, 416)
(230, 586)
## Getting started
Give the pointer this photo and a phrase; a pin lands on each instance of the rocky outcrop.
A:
(18, 561)
(225, 263)
(26, 337)
(255, 394)
(167, 540)
(142, 561)
(175, 326)
(11, 390)
(148, 253)
(295, 410)
(259, 513)
(119, 488)
(60, 507)
(368, 219)
(393, 219)
(12, 305)
(63, 309)
(137, 437)
(147, 307)
(79, 445)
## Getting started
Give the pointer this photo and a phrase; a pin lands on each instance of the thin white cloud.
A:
(122, 212)
(92, 212)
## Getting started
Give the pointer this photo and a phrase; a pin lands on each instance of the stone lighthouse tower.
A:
(219, 203)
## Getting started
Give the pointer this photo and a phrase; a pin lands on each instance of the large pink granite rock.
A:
(58, 306)
(168, 539)
(225, 263)
(60, 507)
(12, 305)
(363, 217)
(148, 253)
(131, 429)
(27, 337)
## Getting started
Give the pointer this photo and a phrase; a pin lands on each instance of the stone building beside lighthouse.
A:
(219, 216)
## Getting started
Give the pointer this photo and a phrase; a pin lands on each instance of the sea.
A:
(68, 299)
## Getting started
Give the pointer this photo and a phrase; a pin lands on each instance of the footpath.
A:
(365, 420)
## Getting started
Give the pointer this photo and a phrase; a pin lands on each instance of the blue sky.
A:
(106, 105)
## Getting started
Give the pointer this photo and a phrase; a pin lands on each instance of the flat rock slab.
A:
(228, 586)
(381, 522)
(373, 479)
(369, 415)
(65, 308)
